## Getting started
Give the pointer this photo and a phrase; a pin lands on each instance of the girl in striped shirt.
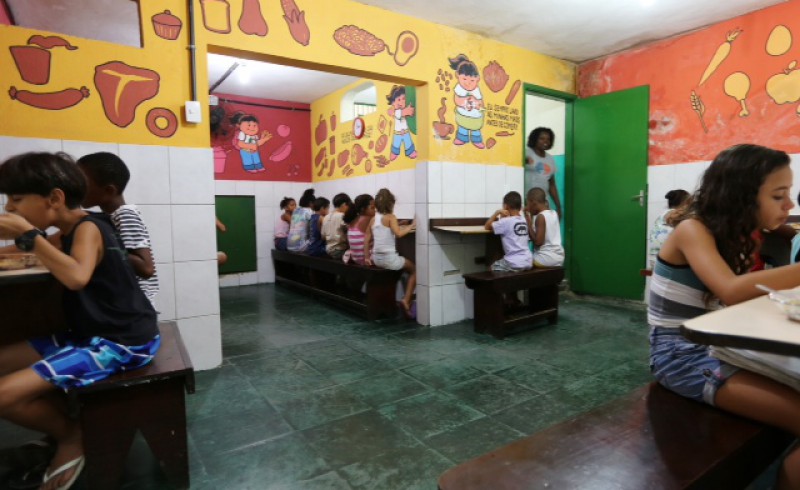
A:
(359, 236)
(704, 264)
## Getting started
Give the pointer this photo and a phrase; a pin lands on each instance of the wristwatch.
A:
(26, 241)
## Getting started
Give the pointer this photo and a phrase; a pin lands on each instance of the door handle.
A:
(639, 197)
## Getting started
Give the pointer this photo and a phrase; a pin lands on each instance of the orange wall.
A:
(674, 68)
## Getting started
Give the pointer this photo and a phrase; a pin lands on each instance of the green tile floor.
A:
(309, 397)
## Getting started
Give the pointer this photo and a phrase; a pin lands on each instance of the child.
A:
(704, 262)
(399, 111)
(247, 141)
(106, 179)
(359, 237)
(298, 238)
(288, 205)
(316, 244)
(545, 230)
(334, 230)
(385, 231)
(468, 101)
(662, 227)
(111, 324)
(513, 229)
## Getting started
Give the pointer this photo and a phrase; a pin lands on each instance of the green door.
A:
(609, 194)
(238, 214)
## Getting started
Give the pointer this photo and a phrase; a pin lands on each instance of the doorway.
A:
(605, 187)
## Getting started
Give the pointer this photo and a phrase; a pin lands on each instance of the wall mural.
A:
(166, 25)
(122, 88)
(252, 22)
(472, 115)
(361, 42)
(259, 141)
(732, 82)
(296, 21)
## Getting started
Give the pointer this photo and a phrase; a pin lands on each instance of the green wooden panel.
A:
(411, 99)
(238, 213)
(609, 169)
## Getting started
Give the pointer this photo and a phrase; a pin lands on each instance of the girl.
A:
(316, 244)
(385, 231)
(468, 101)
(703, 263)
(298, 238)
(357, 219)
(288, 205)
(662, 226)
(540, 168)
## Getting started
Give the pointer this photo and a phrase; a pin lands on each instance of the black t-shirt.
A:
(111, 305)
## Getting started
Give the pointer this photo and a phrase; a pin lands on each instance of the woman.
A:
(540, 168)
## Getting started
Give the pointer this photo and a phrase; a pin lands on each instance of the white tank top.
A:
(384, 240)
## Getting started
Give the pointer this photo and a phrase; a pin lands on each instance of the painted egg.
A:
(284, 130)
(779, 41)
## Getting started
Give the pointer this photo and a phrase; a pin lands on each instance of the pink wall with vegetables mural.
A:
(261, 139)
(734, 82)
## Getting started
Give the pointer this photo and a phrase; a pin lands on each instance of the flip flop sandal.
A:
(76, 463)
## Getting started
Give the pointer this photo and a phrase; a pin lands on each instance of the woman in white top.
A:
(540, 168)
(544, 229)
(385, 229)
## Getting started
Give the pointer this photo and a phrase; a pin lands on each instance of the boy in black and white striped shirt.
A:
(106, 179)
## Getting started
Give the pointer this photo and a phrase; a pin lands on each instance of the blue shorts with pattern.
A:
(686, 368)
(69, 363)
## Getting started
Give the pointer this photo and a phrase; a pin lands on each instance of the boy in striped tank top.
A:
(704, 264)
(106, 179)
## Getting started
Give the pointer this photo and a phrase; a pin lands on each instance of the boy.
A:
(110, 324)
(316, 247)
(106, 179)
(334, 230)
(545, 230)
(513, 229)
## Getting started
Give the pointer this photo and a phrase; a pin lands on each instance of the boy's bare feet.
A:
(67, 462)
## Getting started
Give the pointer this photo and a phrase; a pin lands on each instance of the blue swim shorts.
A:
(69, 363)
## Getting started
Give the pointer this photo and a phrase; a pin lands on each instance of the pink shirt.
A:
(281, 227)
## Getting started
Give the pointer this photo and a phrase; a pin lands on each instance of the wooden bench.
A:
(651, 438)
(490, 288)
(150, 400)
(321, 277)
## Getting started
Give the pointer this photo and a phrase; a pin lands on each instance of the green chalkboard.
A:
(238, 214)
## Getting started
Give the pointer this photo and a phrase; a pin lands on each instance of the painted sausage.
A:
(513, 92)
(49, 42)
(282, 153)
(53, 101)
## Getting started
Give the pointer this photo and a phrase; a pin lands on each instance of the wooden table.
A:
(471, 226)
(30, 301)
(756, 324)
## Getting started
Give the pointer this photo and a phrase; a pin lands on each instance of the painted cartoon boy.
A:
(399, 111)
(247, 140)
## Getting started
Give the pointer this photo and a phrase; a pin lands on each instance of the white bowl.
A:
(789, 302)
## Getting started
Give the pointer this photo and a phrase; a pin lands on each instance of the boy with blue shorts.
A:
(111, 325)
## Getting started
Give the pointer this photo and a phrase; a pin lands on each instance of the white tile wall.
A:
(174, 189)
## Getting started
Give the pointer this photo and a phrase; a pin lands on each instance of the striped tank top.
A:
(355, 237)
(676, 295)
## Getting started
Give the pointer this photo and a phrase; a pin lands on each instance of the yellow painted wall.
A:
(73, 69)
(170, 58)
(346, 155)
(426, 69)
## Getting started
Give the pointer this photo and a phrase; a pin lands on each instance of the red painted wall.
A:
(738, 99)
(286, 156)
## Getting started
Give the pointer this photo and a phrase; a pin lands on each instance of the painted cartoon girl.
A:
(468, 101)
(399, 111)
(247, 140)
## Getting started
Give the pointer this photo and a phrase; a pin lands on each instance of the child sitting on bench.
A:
(545, 230)
(111, 324)
(513, 230)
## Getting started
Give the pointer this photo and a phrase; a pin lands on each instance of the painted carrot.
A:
(723, 51)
